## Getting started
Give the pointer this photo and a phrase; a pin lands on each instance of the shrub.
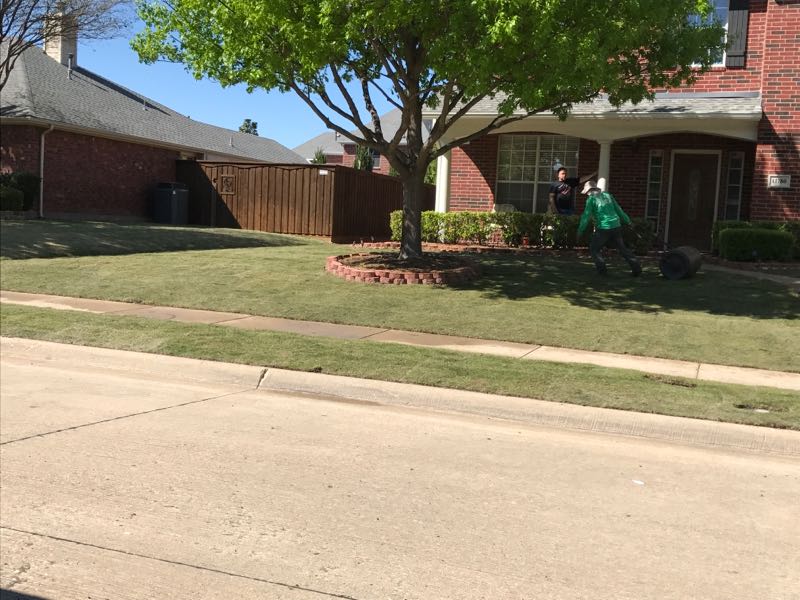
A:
(753, 243)
(560, 231)
(363, 160)
(26, 182)
(11, 198)
(396, 224)
(639, 236)
(791, 227)
(431, 226)
(319, 157)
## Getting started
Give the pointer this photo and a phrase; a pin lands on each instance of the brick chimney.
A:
(62, 43)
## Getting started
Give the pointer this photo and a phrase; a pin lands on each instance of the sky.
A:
(283, 117)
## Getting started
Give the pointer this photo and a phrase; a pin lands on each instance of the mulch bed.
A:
(432, 268)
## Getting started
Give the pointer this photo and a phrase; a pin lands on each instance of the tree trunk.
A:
(413, 193)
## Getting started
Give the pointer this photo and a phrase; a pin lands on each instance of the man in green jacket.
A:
(602, 208)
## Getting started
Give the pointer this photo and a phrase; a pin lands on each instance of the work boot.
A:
(636, 269)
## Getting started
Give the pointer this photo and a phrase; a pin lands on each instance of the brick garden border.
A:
(462, 274)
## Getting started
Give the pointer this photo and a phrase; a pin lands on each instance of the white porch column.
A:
(604, 167)
(442, 182)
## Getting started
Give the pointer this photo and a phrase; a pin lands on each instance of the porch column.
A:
(442, 182)
(604, 167)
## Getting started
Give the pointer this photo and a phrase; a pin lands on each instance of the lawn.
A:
(714, 317)
(585, 385)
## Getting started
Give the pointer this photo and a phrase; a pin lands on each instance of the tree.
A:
(443, 55)
(363, 160)
(319, 157)
(28, 23)
(249, 126)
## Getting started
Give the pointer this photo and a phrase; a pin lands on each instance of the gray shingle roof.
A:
(331, 144)
(40, 88)
(686, 104)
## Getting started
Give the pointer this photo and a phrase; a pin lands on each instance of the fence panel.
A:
(364, 201)
(334, 201)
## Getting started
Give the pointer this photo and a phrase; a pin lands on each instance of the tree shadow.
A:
(6, 594)
(47, 239)
(574, 279)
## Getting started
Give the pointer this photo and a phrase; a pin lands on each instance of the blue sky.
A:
(282, 117)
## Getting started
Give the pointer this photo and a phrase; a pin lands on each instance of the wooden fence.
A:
(326, 200)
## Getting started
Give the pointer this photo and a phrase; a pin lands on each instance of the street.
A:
(126, 481)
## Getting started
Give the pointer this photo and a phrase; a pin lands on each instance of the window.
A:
(376, 159)
(720, 15)
(527, 165)
(733, 192)
(655, 173)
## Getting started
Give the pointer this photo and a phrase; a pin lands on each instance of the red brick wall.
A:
(89, 175)
(747, 78)
(779, 132)
(19, 150)
(473, 173)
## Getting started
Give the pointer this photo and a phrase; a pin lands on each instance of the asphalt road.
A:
(129, 479)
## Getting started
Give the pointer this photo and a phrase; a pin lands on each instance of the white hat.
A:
(590, 185)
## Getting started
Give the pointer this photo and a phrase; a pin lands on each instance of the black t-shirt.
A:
(565, 192)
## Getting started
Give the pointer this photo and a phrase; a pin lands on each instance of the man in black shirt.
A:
(562, 192)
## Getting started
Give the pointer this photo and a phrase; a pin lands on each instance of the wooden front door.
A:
(694, 189)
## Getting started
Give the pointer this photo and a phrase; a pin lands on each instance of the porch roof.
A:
(724, 114)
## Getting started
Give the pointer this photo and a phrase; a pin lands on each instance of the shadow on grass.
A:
(47, 239)
(575, 279)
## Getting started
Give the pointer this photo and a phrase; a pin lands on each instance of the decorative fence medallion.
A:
(227, 184)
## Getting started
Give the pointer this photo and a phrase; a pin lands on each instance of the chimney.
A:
(61, 42)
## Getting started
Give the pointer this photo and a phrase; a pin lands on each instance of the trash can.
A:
(171, 203)
(680, 263)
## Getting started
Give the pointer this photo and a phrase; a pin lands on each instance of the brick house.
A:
(339, 150)
(726, 148)
(101, 148)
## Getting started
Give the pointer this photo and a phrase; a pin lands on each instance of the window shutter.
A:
(737, 33)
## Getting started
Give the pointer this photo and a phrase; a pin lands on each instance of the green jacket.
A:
(604, 210)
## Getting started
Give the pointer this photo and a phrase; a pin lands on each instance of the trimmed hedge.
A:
(752, 243)
(11, 198)
(540, 229)
(791, 227)
(26, 183)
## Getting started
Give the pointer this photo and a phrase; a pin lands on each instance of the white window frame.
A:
(718, 4)
(537, 181)
(656, 200)
(740, 184)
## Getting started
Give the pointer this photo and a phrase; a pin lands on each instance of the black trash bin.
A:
(171, 203)
(680, 263)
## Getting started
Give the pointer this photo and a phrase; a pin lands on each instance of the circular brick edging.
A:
(462, 274)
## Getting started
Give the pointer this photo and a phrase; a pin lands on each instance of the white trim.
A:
(655, 152)
(741, 155)
(718, 154)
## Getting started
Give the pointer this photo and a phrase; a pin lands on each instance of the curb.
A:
(537, 413)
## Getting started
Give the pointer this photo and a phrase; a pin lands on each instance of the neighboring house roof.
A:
(42, 89)
(686, 104)
(328, 142)
(331, 143)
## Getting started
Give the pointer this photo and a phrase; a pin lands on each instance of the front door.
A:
(694, 189)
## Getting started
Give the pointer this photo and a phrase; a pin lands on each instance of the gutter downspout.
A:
(41, 170)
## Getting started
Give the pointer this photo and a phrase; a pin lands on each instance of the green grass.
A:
(586, 385)
(715, 317)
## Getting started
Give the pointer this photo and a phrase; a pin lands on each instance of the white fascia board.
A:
(593, 128)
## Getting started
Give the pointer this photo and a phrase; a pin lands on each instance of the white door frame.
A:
(718, 154)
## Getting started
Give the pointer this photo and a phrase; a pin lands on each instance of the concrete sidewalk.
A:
(661, 366)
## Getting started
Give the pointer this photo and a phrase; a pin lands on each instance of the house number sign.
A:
(780, 182)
